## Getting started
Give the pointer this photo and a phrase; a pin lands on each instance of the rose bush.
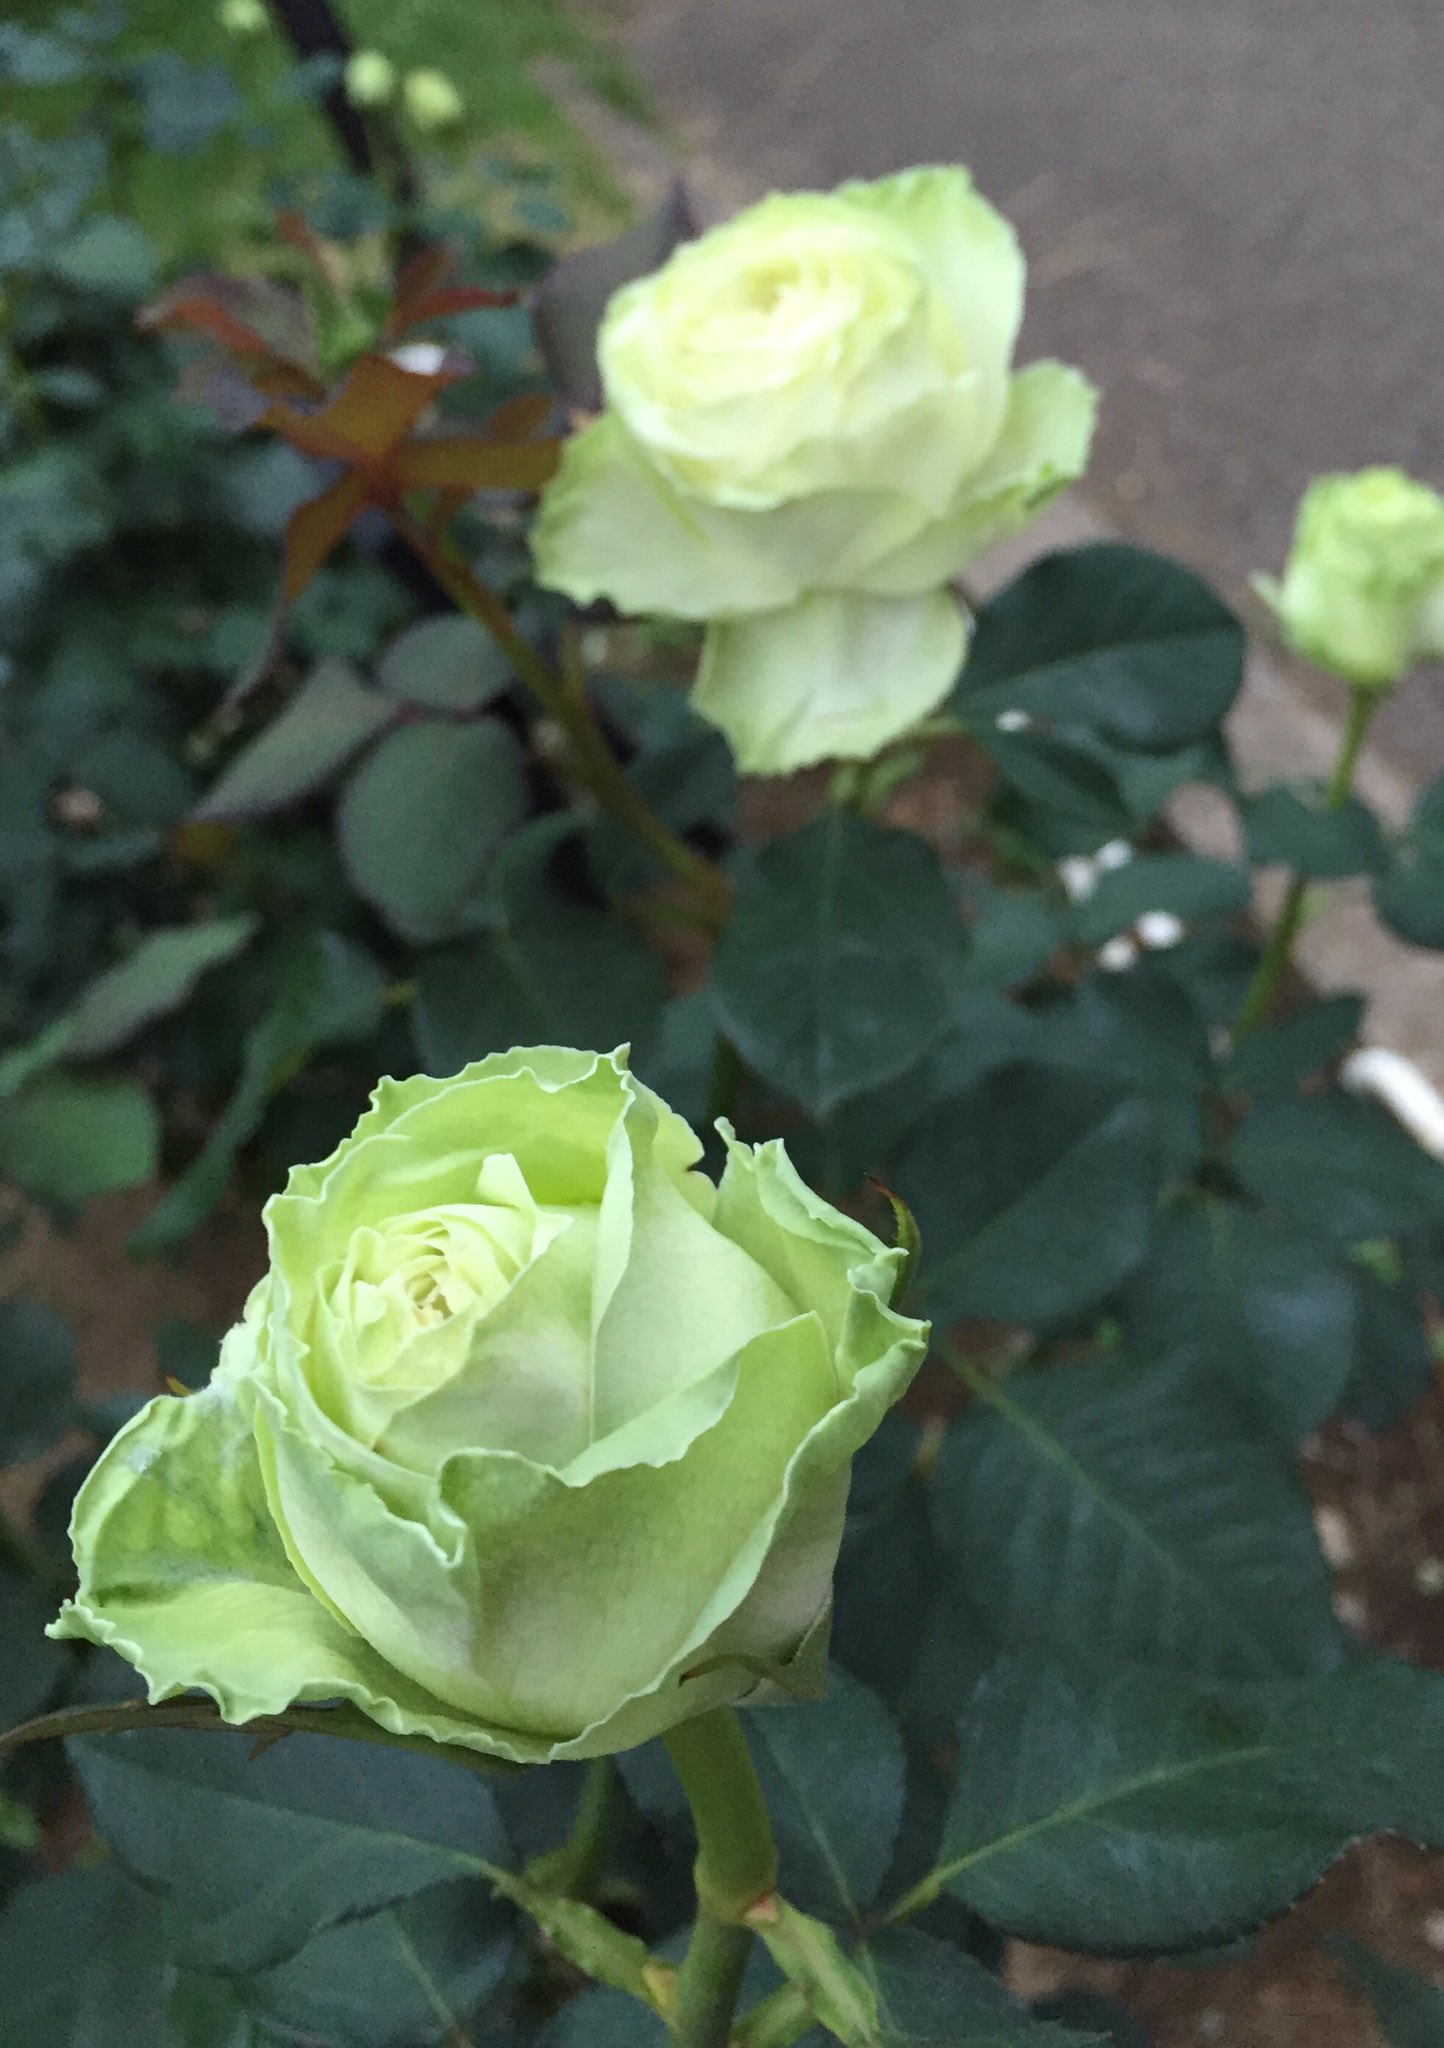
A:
(811, 425)
(526, 1420)
(1363, 592)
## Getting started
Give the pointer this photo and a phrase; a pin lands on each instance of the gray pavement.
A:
(1233, 209)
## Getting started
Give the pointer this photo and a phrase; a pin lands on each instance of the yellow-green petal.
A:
(1043, 447)
(835, 676)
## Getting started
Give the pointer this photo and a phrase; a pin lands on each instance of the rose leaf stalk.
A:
(736, 1867)
(1363, 703)
(564, 699)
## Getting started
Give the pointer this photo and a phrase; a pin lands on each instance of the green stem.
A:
(736, 1866)
(205, 1717)
(736, 1855)
(709, 1982)
(574, 1870)
(565, 700)
(1362, 706)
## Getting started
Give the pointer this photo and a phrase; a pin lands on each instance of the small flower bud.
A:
(370, 79)
(431, 99)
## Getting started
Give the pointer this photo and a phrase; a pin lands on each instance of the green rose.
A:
(527, 1422)
(811, 425)
(1363, 593)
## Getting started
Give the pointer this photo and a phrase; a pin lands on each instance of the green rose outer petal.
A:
(971, 256)
(611, 526)
(183, 1573)
(835, 676)
(238, 1540)
(1043, 448)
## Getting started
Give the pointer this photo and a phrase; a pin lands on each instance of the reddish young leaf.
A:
(324, 256)
(265, 324)
(425, 291)
(455, 298)
(317, 527)
(521, 418)
(451, 461)
(377, 406)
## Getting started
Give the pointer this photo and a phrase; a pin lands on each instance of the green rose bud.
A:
(431, 99)
(1363, 593)
(531, 1439)
(811, 425)
(370, 78)
(243, 17)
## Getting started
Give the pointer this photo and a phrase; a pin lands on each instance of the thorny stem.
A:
(564, 699)
(1362, 706)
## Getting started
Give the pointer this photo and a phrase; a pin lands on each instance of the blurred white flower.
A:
(422, 358)
(1158, 929)
(1398, 1085)
(1118, 954)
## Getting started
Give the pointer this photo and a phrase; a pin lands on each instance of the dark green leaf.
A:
(30, 1665)
(1110, 636)
(931, 1995)
(183, 106)
(1012, 933)
(186, 1351)
(420, 817)
(407, 1977)
(1274, 1060)
(37, 59)
(449, 663)
(329, 718)
(1143, 1032)
(1338, 1166)
(1409, 2009)
(315, 1831)
(1409, 895)
(1135, 1812)
(1093, 2014)
(1035, 1195)
(833, 975)
(1184, 883)
(890, 1576)
(1245, 1299)
(550, 970)
(67, 1139)
(109, 256)
(44, 1928)
(832, 1771)
(677, 1056)
(139, 779)
(328, 989)
(1074, 802)
(1136, 1513)
(605, 2019)
(1292, 826)
(1395, 1360)
(155, 979)
(37, 1379)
